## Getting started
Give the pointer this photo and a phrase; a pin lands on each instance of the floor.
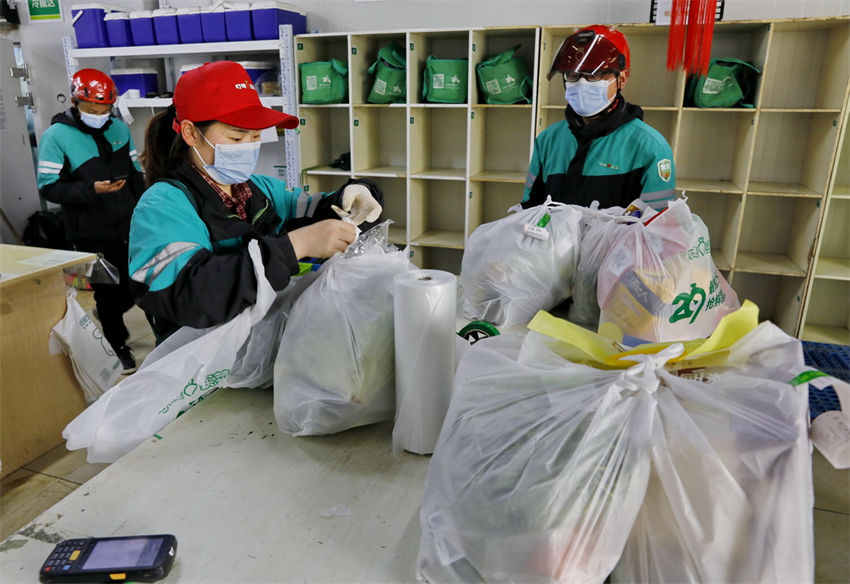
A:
(36, 487)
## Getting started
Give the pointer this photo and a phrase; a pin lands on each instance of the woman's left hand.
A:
(359, 204)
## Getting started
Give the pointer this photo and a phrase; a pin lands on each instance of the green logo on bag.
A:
(211, 381)
(688, 308)
(702, 248)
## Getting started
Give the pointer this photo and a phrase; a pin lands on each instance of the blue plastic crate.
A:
(832, 359)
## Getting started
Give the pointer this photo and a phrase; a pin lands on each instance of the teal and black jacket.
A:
(613, 160)
(189, 262)
(71, 157)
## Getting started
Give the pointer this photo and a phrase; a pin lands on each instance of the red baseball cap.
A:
(223, 91)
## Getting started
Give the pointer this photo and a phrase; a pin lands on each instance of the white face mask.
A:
(233, 163)
(94, 121)
(588, 98)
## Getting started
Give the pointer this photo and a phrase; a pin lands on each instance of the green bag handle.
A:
(391, 55)
(498, 59)
(339, 66)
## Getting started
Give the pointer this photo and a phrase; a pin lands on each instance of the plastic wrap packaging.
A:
(520, 264)
(425, 303)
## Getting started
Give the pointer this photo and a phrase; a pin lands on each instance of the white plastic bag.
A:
(539, 470)
(335, 368)
(600, 230)
(95, 364)
(658, 282)
(522, 263)
(730, 496)
(179, 373)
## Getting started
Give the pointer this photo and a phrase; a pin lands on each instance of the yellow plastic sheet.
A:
(600, 351)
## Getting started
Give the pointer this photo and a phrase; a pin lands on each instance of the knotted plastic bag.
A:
(522, 263)
(335, 368)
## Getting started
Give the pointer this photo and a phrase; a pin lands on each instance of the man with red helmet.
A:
(87, 163)
(602, 151)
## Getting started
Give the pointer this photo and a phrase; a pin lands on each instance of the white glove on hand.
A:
(358, 205)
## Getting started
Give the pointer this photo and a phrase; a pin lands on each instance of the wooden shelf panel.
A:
(501, 177)
(440, 238)
(781, 189)
(833, 268)
(840, 192)
(767, 263)
(398, 235)
(818, 333)
(384, 171)
(720, 261)
(707, 186)
(327, 170)
(440, 174)
(323, 105)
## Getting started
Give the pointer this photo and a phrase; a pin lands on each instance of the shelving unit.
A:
(444, 168)
(827, 313)
(766, 180)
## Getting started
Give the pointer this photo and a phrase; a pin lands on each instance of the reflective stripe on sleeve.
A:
(158, 263)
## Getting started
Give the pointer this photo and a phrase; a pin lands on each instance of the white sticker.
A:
(380, 87)
(535, 232)
(493, 87)
(438, 81)
(312, 82)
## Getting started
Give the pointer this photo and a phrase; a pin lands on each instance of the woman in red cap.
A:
(189, 235)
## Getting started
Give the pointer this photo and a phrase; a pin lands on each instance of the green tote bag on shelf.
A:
(324, 81)
(504, 78)
(729, 83)
(390, 75)
(445, 80)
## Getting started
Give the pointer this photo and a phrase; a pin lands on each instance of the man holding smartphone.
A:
(88, 164)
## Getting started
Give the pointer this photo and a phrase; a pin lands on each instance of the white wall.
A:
(42, 44)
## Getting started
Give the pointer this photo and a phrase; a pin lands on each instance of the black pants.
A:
(112, 300)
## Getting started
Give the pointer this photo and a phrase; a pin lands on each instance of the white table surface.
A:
(246, 501)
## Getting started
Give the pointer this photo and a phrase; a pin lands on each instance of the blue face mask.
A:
(588, 98)
(94, 121)
(233, 163)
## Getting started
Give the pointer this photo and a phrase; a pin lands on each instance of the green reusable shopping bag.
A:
(445, 80)
(504, 78)
(390, 75)
(729, 83)
(324, 81)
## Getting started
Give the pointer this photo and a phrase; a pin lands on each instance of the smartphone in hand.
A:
(139, 558)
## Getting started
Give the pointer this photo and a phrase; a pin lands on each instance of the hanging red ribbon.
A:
(691, 32)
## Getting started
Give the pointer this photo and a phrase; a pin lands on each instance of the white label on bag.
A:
(535, 232)
(380, 87)
(312, 82)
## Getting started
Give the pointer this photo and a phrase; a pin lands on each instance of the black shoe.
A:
(125, 355)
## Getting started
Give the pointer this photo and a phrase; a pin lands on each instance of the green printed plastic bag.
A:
(445, 80)
(504, 78)
(324, 81)
(390, 75)
(729, 83)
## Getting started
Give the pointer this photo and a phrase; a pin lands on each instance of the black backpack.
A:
(45, 229)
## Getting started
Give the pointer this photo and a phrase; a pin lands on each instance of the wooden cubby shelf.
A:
(770, 181)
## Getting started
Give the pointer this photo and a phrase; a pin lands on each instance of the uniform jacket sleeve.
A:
(54, 180)
(659, 178)
(177, 275)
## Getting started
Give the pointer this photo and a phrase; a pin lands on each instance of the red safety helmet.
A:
(93, 86)
(594, 49)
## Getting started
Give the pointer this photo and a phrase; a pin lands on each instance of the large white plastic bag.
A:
(658, 282)
(730, 497)
(599, 234)
(539, 470)
(95, 364)
(508, 275)
(335, 368)
(172, 379)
